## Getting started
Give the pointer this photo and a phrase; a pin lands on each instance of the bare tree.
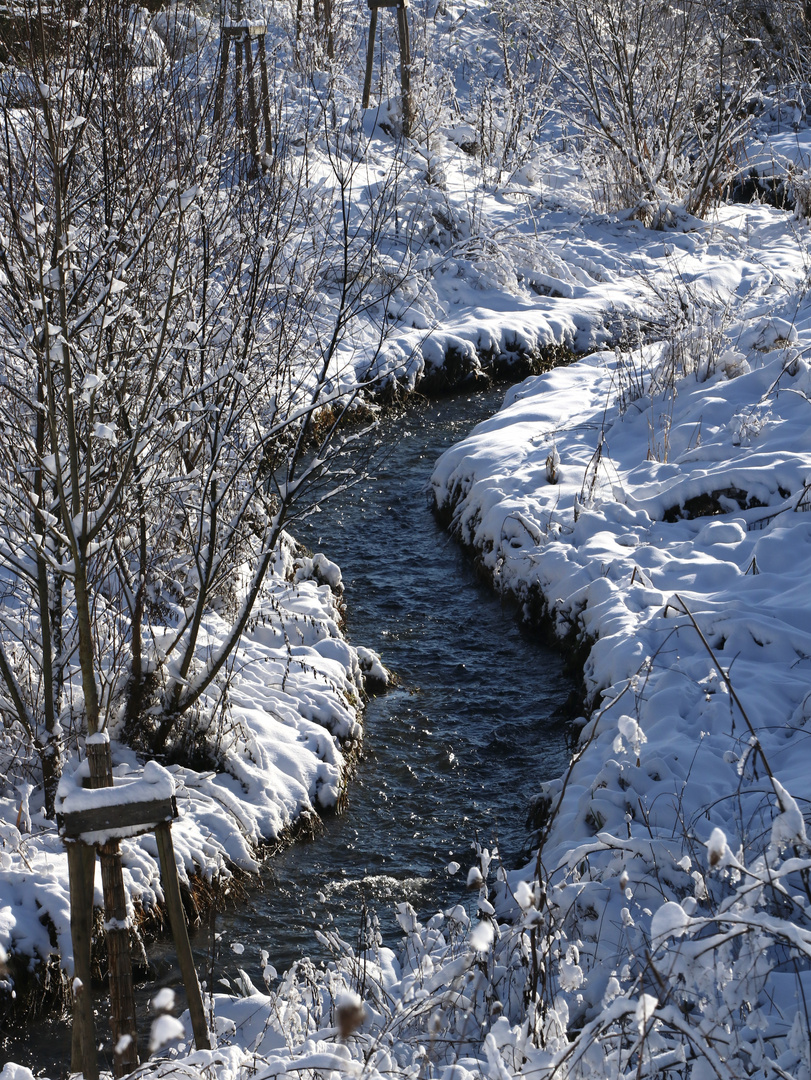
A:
(176, 372)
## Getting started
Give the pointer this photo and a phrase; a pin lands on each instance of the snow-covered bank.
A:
(631, 487)
(656, 503)
(278, 750)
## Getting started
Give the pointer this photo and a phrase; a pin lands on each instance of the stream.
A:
(452, 753)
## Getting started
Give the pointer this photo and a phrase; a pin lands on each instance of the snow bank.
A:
(655, 505)
(692, 497)
(293, 709)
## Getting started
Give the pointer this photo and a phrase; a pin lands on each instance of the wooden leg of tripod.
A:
(370, 59)
(405, 67)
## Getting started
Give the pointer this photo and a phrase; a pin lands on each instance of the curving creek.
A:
(453, 752)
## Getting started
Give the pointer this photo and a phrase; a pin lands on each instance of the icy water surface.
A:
(455, 751)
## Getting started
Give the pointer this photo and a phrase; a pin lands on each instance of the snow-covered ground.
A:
(294, 712)
(652, 501)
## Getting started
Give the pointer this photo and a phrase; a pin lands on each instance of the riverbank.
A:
(654, 504)
(279, 750)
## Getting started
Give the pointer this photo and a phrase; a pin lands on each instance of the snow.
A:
(295, 703)
(123, 1043)
(11, 1071)
(670, 920)
(651, 502)
(717, 847)
(645, 1010)
(156, 783)
(164, 1030)
(481, 936)
(164, 1000)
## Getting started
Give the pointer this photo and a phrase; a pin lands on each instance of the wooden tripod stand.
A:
(92, 821)
(243, 35)
(401, 7)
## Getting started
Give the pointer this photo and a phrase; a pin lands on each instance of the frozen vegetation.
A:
(195, 341)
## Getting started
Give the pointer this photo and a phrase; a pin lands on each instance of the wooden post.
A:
(370, 57)
(116, 928)
(219, 93)
(238, 82)
(253, 118)
(116, 932)
(177, 920)
(330, 31)
(405, 65)
(263, 71)
(81, 871)
(322, 11)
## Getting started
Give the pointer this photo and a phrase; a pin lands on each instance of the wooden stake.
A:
(405, 56)
(238, 82)
(116, 929)
(220, 91)
(177, 920)
(116, 932)
(405, 66)
(370, 58)
(330, 33)
(263, 70)
(81, 870)
(253, 117)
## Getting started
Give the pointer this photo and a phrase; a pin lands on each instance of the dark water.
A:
(452, 753)
(456, 750)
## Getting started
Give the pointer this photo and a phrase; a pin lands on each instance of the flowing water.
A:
(452, 753)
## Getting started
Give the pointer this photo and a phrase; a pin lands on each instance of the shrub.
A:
(658, 94)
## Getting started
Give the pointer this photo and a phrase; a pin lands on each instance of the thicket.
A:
(177, 367)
